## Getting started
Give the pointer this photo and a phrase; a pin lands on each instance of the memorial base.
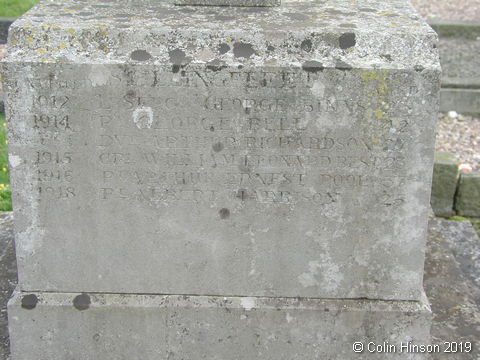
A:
(67, 326)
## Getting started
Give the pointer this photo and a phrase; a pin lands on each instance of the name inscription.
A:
(262, 137)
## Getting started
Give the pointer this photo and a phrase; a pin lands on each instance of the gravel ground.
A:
(448, 10)
(460, 135)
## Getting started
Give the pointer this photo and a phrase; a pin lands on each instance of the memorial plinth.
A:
(240, 152)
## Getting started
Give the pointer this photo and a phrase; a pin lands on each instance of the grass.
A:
(5, 192)
(14, 8)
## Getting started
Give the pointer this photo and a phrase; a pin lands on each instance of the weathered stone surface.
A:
(229, 2)
(8, 277)
(452, 283)
(444, 184)
(468, 196)
(452, 279)
(150, 327)
(267, 154)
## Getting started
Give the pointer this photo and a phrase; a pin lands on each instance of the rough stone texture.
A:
(444, 183)
(8, 277)
(464, 244)
(228, 2)
(460, 63)
(452, 273)
(452, 279)
(279, 151)
(467, 202)
(149, 327)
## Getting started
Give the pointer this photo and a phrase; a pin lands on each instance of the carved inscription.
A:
(269, 137)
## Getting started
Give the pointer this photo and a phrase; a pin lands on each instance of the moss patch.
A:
(5, 192)
(474, 220)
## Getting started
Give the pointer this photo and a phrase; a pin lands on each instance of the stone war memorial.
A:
(220, 179)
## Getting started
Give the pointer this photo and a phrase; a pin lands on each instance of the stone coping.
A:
(364, 34)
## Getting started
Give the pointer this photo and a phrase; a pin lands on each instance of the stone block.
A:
(234, 151)
(466, 101)
(55, 326)
(444, 184)
(458, 48)
(468, 196)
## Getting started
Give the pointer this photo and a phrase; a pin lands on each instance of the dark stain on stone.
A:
(223, 48)
(140, 55)
(84, 13)
(312, 66)
(81, 302)
(29, 301)
(243, 50)
(212, 129)
(242, 194)
(347, 40)
(175, 68)
(217, 147)
(342, 65)
(387, 57)
(306, 45)
(419, 68)
(224, 213)
(177, 56)
(96, 337)
(215, 65)
(240, 67)
(270, 48)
